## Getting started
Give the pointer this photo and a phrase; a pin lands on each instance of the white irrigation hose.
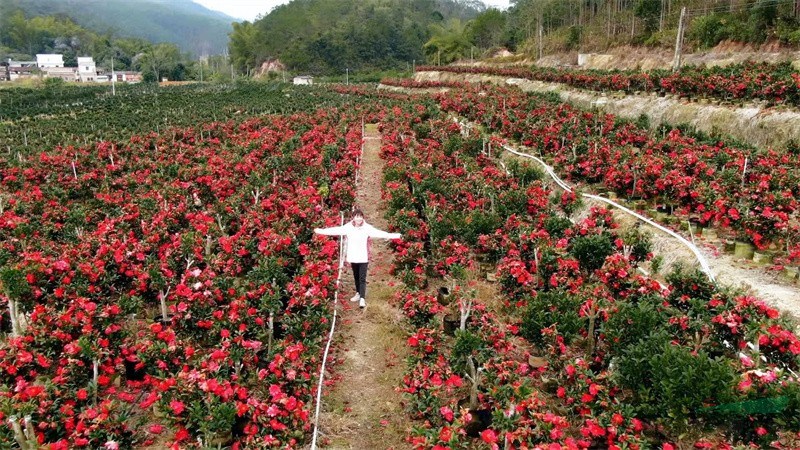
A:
(703, 263)
(328, 344)
(335, 304)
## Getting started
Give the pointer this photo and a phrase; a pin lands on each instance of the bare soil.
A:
(646, 58)
(364, 409)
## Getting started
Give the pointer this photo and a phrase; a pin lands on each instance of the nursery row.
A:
(167, 288)
(774, 83)
(571, 348)
(750, 193)
(33, 119)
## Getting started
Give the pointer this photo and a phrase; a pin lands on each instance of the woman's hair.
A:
(357, 213)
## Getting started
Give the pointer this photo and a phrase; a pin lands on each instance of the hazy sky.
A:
(249, 9)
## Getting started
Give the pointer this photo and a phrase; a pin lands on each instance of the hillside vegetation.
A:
(324, 37)
(190, 26)
(596, 25)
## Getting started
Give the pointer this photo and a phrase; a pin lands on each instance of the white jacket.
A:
(357, 239)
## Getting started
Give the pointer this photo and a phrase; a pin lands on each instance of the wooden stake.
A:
(679, 41)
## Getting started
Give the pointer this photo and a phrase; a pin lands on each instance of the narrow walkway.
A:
(364, 410)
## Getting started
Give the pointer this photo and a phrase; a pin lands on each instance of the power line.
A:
(738, 7)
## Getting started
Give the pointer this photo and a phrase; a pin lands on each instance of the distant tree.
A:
(650, 13)
(22, 35)
(448, 43)
(487, 30)
(243, 45)
(160, 60)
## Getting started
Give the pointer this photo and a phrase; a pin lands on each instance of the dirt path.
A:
(364, 410)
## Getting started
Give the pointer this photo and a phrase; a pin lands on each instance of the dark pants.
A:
(360, 278)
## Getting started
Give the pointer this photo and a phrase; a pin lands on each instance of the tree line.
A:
(323, 37)
(22, 37)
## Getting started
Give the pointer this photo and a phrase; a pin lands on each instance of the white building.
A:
(303, 79)
(65, 73)
(87, 70)
(47, 60)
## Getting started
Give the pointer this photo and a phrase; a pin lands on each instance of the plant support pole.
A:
(679, 41)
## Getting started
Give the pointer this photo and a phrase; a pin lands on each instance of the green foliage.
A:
(689, 283)
(322, 37)
(86, 28)
(468, 344)
(60, 34)
(557, 225)
(672, 382)
(551, 308)
(632, 322)
(574, 34)
(657, 263)
(639, 242)
(643, 122)
(525, 172)
(712, 29)
(592, 250)
(448, 43)
(487, 30)
(649, 11)
(14, 283)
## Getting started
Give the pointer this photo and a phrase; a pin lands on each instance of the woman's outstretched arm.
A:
(380, 234)
(332, 231)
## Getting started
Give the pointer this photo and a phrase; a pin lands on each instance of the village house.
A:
(16, 70)
(127, 76)
(52, 66)
(87, 70)
(49, 60)
(65, 73)
(303, 79)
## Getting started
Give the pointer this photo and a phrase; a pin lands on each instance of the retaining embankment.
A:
(754, 124)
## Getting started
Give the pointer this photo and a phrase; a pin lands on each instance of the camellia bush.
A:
(579, 350)
(750, 193)
(775, 83)
(166, 288)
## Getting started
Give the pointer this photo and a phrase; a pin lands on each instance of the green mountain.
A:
(192, 27)
(333, 36)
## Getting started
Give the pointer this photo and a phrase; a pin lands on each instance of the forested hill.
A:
(192, 27)
(324, 36)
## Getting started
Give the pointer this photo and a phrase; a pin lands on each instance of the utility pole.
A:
(113, 79)
(679, 41)
(541, 44)
(347, 76)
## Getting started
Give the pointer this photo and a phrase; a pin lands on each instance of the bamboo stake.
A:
(163, 299)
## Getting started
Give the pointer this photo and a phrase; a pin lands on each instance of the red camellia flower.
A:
(447, 413)
(489, 436)
(446, 434)
(177, 406)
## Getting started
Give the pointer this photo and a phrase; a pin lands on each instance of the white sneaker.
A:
(362, 303)
(355, 297)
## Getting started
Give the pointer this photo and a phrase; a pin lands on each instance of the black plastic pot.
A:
(450, 323)
(160, 319)
(5, 322)
(443, 296)
(132, 372)
(239, 424)
(481, 420)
